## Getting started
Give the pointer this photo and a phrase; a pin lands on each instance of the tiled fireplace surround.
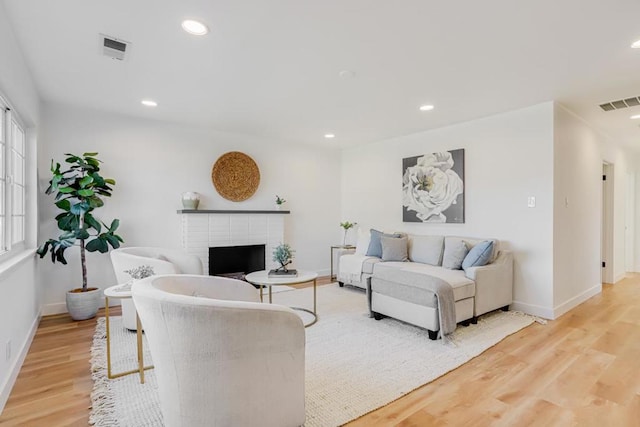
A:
(204, 229)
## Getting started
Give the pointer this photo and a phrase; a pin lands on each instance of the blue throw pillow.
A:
(479, 255)
(375, 245)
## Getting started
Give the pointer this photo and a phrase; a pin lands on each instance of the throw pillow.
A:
(362, 245)
(394, 248)
(453, 258)
(426, 249)
(479, 255)
(375, 247)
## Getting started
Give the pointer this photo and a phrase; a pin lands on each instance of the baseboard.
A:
(534, 310)
(55, 308)
(576, 301)
(5, 391)
(619, 277)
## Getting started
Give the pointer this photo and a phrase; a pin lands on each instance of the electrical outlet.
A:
(8, 351)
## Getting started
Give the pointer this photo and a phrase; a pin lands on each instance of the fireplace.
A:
(236, 261)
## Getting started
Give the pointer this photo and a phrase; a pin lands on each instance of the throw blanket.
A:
(410, 287)
(350, 267)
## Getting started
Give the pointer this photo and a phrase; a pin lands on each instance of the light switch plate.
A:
(531, 202)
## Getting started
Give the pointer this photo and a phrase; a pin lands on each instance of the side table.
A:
(331, 277)
(123, 292)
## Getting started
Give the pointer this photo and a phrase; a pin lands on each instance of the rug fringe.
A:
(102, 404)
(536, 319)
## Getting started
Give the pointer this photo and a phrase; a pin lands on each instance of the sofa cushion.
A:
(451, 241)
(369, 262)
(454, 256)
(426, 249)
(375, 246)
(394, 248)
(479, 255)
(463, 287)
(362, 244)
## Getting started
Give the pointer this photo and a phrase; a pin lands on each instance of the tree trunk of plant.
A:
(83, 258)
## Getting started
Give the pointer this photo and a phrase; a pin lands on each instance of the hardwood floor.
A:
(582, 369)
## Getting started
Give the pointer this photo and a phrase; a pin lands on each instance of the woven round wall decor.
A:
(235, 176)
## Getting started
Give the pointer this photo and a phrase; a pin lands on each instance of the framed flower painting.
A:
(433, 187)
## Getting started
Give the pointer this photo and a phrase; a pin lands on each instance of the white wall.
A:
(508, 157)
(19, 294)
(154, 163)
(577, 211)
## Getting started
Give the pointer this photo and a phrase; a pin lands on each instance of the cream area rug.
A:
(354, 364)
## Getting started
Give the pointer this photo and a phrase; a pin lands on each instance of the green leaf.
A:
(66, 190)
(114, 225)
(82, 234)
(65, 204)
(80, 208)
(95, 202)
(85, 192)
(89, 154)
(97, 244)
(86, 181)
(110, 181)
(91, 222)
(113, 240)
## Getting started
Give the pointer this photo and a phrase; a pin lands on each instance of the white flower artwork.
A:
(433, 187)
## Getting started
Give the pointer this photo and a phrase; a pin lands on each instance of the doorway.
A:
(606, 228)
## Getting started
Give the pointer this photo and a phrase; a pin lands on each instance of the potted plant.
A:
(346, 226)
(279, 202)
(79, 190)
(283, 255)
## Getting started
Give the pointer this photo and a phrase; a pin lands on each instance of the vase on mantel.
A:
(190, 200)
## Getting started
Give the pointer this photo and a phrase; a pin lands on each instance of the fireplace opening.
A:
(236, 261)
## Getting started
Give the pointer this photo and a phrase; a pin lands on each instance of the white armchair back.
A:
(221, 357)
(162, 260)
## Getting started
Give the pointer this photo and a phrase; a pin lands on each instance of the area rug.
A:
(354, 364)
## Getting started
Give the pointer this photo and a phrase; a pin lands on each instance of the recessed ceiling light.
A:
(636, 44)
(329, 135)
(635, 116)
(149, 103)
(196, 28)
(426, 107)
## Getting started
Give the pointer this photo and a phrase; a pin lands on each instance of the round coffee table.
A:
(262, 279)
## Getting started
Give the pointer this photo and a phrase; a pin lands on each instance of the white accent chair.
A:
(162, 260)
(221, 357)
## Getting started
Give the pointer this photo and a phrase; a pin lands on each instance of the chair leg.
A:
(341, 284)
(433, 335)
(505, 308)
(466, 322)
(377, 316)
(474, 320)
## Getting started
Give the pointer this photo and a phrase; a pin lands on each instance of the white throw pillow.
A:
(362, 244)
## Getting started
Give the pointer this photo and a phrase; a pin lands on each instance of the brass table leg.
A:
(260, 287)
(270, 297)
(106, 313)
(140, 353)
(331, 274)
(314, 297)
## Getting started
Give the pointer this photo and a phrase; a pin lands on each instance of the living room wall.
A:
(19, 292)
(579, 152)
(155, 162)
(508, 157)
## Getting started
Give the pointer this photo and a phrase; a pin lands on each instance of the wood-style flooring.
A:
(582, 369)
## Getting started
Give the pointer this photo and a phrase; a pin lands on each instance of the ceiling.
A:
(271, 68)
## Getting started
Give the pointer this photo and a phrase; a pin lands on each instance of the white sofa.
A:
(394, 287)
(162, 260)
(221, 357)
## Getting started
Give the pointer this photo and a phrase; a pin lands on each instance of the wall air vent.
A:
(621, 103)
(114, 47)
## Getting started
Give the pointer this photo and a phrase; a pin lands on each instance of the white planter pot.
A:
(83, 305)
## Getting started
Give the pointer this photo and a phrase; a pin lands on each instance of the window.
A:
(12, 181)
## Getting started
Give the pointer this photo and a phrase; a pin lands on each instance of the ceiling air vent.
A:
(113, 47)
(621, 103)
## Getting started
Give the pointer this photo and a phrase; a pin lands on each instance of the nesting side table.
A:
(333, 248)
(123, 292)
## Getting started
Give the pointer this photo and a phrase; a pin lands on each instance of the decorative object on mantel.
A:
(190, 200)
(235, 176)
(279, 202)
(433, 187)
(283, 254)
(346, 225)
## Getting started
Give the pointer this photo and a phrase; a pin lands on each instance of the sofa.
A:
(409, 285)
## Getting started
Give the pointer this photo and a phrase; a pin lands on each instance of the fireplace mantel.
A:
(203, 229)
(205, 211)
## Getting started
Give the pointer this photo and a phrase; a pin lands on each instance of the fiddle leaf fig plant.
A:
(79, 190)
